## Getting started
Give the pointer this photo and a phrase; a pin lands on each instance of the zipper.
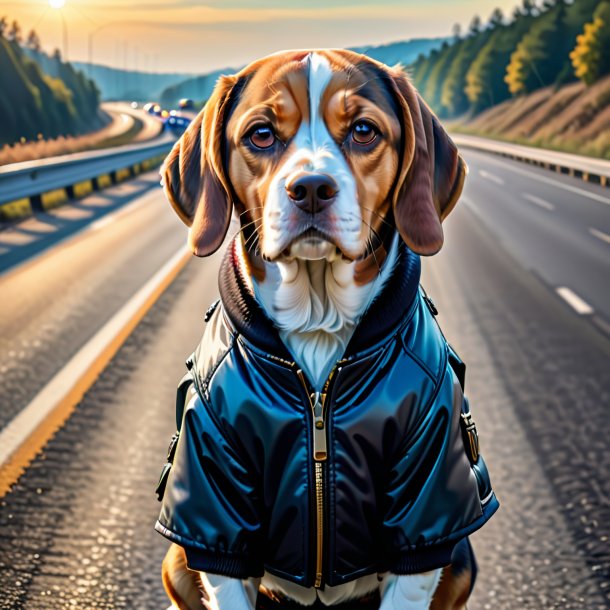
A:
(317, 402)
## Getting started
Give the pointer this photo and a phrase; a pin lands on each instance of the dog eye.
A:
(263, 137)
(363, 132)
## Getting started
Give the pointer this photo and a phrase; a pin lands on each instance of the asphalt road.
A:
(76, 530)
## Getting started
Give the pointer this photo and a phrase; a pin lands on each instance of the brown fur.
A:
(453, 590)
(415, 166)
(183, 586)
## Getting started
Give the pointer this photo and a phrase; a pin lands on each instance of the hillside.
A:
(36, 105)
(405, 52)
(574, 118)
(509, 57)
(197, 88)
(116, 84)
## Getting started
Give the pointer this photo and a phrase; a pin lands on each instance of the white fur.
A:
(226, 593)
(315, 151)
(316, 306)
(413, 592)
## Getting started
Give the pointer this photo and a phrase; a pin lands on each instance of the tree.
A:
(475, 26)
(431, 90)
(485, 85)
(453, 94)
(456, 30)
(496, 19)
(590, 56)
(541, 55)
(3, 26)
(14, 34)
(33, 41)
(529, 8)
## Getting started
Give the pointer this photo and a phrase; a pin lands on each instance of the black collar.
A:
(383, 316)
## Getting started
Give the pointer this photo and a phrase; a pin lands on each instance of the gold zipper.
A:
(317, 402)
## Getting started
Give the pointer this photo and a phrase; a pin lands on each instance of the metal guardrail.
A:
(31, 179)
(586, 168)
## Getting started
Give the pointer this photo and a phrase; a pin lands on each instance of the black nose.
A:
(312, 192)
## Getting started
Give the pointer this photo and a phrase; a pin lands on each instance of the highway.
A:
(76, 528)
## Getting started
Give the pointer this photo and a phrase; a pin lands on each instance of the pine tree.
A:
(456, 30)
(14, 34)
(541, 54)
(496, 19)
(590, 57)
(33, 41)
(475, 26)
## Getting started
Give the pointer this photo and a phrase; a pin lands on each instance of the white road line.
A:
(574, 301)
(538, 201)
(492, 177)
(600, 235)
(53, 404)
(565, 187)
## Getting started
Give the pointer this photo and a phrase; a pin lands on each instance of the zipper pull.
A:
(319, 428)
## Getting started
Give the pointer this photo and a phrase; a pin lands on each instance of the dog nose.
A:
(312, 192)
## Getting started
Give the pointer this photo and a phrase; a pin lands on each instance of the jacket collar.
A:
(382, 317)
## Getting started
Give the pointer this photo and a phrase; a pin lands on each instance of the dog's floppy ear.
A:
(193, 175)
(432, 172)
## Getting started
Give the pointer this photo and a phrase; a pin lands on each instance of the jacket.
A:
(379, 471)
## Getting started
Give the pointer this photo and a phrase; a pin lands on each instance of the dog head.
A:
(317, 150)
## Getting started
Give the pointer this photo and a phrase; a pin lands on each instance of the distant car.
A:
(177, 122)
(186, 104)
(152, 108)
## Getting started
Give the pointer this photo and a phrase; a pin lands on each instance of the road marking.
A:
(567, 187)
(538, 201)
(574, 301)
(492, 177)
(600, 235)
(28, 432)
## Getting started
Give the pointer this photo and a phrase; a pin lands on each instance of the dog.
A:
(340, 175)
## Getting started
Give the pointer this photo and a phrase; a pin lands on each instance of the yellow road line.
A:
(30, 430)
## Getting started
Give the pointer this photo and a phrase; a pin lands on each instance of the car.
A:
(186, 104)
(177, 122)
(152, 108)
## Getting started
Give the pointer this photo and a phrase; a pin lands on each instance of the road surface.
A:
(76, 529)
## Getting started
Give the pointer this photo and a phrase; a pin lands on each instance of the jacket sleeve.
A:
(210, 499)
(438, 490)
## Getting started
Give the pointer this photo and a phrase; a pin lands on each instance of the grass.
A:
(64, 145)
(573, 119)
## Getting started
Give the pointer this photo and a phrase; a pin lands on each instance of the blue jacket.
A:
(380, 471)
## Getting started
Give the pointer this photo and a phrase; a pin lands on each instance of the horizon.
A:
(187, 36)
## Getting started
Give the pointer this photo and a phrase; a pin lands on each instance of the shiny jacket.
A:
(380, 471)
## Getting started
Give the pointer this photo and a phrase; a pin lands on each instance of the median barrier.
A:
(585, 168)
(36, 186)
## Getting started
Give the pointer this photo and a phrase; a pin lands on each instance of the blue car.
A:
(177, 122)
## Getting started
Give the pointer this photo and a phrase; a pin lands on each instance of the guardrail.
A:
(33, 186)
(586, 168)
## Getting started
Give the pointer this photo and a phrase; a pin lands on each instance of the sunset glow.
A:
(189, 36)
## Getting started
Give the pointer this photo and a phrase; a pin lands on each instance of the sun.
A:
(57, 3)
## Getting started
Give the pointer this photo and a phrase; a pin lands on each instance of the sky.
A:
(193, 36)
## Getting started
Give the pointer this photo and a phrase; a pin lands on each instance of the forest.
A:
(41, 96)
(540, 45)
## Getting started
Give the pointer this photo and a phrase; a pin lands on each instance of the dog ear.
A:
(432, 172)
(194, 178)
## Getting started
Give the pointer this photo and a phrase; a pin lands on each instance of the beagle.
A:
(329, 159)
